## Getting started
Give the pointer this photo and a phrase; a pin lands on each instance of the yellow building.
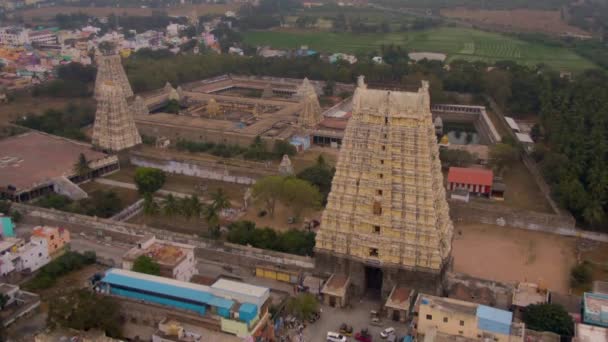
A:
(459, 318)
(387, 209)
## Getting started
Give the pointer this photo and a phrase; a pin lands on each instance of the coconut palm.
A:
(170, 206)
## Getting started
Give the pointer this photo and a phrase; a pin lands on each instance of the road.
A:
(105, 250)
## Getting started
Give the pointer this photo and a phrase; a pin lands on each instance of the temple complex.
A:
(387, 220)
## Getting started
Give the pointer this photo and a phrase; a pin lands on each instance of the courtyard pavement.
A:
(358, 316)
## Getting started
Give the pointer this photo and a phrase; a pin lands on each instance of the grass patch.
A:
(457, 43)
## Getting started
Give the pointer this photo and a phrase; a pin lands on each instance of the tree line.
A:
(291, 241)
(256, 151)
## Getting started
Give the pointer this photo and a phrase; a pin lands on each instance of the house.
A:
(589, 333)
(176, 260)
(6, 226)
(595, 309)
(33, 255)
(527, 294)
(474, 180)
(398, 303)
(19, 303)
(57, 238)
(8, 254)
(461, 319)
(335, 290)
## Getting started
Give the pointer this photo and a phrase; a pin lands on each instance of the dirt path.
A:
(511, 255)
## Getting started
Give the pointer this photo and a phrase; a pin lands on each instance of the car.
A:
(346, 329)
(335, 337)
(363, 336)
(390, 331)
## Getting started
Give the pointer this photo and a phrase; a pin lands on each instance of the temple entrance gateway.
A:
(373, 280)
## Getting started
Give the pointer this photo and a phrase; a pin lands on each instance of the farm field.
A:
(457, 43)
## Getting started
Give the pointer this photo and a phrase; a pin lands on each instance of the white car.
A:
(335, 337)
(387, 332)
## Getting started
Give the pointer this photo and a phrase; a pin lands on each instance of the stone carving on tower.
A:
(311, 113)
(109, 68)
(139, 107)
(213, 108)
(114, 128)
(387, 206)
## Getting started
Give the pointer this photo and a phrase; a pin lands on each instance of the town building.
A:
(527, 294)
(474, 180)
(32, 255)
(57, 238)
(386, 221)
(19, 303)
(43, 37)
(458, 318)
(335, 290)
(8, 254)
(595, 309)
(176, 260)
(7, 228)
(589, 333)
(232, 307)
(74, 335)
(12, 36)
(34, 164)
(398, 303)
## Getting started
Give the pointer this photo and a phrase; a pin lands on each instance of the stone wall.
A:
(131, 233)
(474, 114)
(196, 168)
(500, 215)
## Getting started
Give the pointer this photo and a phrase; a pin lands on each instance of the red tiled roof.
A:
(473, 176)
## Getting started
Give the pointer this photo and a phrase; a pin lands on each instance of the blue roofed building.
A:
(238, 308)
(595, 309)
(494, 320)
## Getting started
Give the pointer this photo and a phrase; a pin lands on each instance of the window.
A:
(52, 237)
(39, 254)
(385, 136)
(386, 120)
(460, 332)
(462, 323)
(377, 208)
(379, 192)
(380, 175)
(382, 161)
(377, 229)
(429, 317)
(373, 252)
(445, 319)
(383, 148)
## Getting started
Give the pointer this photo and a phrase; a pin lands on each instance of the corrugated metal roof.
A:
(241, 288)
(166, 286)
(494, 320)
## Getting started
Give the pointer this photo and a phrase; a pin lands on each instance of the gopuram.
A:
(387, 222)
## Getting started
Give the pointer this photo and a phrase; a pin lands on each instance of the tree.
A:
(147, 265)
(328, 88)
(498, 85)
(170, 206)
(580, 275)
(150, 206)
(172, 107)
(299, 194)
(149, 180)
(84, 310)
(502, 156)
(3, 300)
(548, 317)
(268, 191)
(219, 200)
(319, 175)
(303, 306)
(458, 158)
(282, 148)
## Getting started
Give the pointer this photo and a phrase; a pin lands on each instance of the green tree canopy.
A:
(303, 306)
(502, 156)
(549, 317)
(85, 310)
(145, 264)
(149, 180)
(81, 167)
(299, 194)
(268, 191)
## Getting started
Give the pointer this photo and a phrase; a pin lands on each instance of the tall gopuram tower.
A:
(387, 220)
(109, 68)
(311, 113)
(114, 128)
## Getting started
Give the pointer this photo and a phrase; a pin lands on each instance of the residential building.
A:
(595, 309)
(233, 307)
(465, 319)
(33, 255)
(7, 228)
(8, 253)
(335, 290)
(43, 37)
(528, 293)
(57, 238)
(176, 260)
(351, 59)
(13, 36)
(475, 180)
(398, 303)
(589, 333)
(19, 303)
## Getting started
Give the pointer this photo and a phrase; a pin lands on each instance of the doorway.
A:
(373, 281)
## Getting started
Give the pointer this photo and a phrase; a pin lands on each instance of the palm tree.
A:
(150, 206)
(196, 206)
(212, 217)
(219, 200)
(81, 167)
(170, 206)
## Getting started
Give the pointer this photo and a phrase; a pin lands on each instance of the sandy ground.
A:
(511, 255)
(280, 220)
(518, 19)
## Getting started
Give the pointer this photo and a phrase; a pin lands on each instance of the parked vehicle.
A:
(335, 337)
(346, 329)
(363, 336)
(390, 331)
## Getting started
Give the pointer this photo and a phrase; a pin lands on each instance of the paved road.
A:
(105, 250)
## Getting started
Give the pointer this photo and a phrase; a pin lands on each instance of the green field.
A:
(457, 43)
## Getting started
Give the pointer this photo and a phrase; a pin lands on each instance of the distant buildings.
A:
(19, 303)
(176, 260)
(57, 238)
(474, 180)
